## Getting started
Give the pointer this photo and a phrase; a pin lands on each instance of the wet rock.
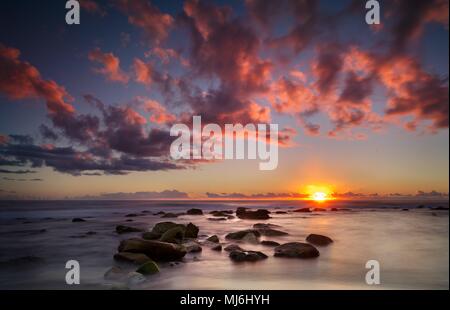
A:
(193, 248)
(420, 207)
(162, 227)
(233, 247)
(90, 233)
(269, 243)
(319, 239)
(272, 232)
(129, 220)
(148, 268)
(159, 213)
(440, 208)
(122, 229)
(265, 226)
(280, 212)
(260, 214)
(150, 235)
(246, 256)
(114, 273)
(217, 247)
(296, 250)
(135, 278)
(230, 217)
(320, 209)
(250, 238)
(131, 215)
(194, 211)
(78, 220)
(173, 235)
(303, 210)
(217, 219)
(169, 215)
(220, 213)
(238, 235)
(156, 250)
(405, 209)
(135, 258)
(214, 239)
(334, 209)
(191, 231)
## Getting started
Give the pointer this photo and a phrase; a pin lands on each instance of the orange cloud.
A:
(110, 66)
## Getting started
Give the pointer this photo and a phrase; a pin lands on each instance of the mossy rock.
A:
(149, 267)
(174, 235)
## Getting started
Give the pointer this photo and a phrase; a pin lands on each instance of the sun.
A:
(319, 196)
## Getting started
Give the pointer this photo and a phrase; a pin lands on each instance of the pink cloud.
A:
(110, 66)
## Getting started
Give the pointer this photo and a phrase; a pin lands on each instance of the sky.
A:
(86, 110)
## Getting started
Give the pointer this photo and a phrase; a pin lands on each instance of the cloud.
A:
(150, 19)
(166, 194)
(431, 194)
(110, 66)
(256, 196)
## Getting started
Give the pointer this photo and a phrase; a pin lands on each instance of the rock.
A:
(90, 233)
(296, 250)
(78, 220)
(194, 212)
(260, 214)
(135, 278)
(214, 239)
(238, 235)
(265, 226)
(334, 209)
(156, 250)
(269, 243)
(440, 208)
(122, 229)
(320, 209)
(250, 238)
(217, 247)
(191, 231)
(272, 232)
(129, 220)
(233, 247)
(114, 273)
(173, 235)
(219, 213)
(319, 239)
(131, 215)
(280, 212)
(303, 210)
(148, 268)
(135, 258)
(246, 256)
(159, 213)
(405, 209)
(169, 215)
(216, 219)
(150, 235)
(193, 248)
(162, 227)
(230, 217)
(420, 207)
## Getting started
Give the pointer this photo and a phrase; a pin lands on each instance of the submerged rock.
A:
(233, 247)
(260, 214)
(265, 226)
(122, 229)
(272, 232)
(319, 239)
(440, 208)
(156, 250)
(114, 273)
(303, 210)
(238, 235)
(193, 248)
(214, 239)
(246, 256)
(217, 247)
(250, 238)
(78, 220)
(148, 268)
(132, 215)
(194, 211)
(269, 243)
(169, 215)
(135, 258)
(191, 231)
(296, 250)
(217, 219)
(320, 209)
(280, 212)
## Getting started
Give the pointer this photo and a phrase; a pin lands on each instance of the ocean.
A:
(410, 243)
